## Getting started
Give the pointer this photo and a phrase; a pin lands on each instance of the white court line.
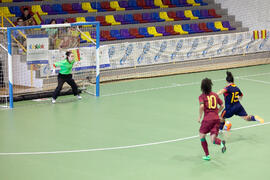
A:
(178, 85)
(254, 80)
(119, 147)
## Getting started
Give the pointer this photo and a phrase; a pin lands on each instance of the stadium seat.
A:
(160, 4)
(172, 14)
(47, 21)
(110, 19)
(218, 25)
(37, 9)
(141, 3)
(193, 3)
(181, 14)
(204, 28)
(188, 14)
(201, 2)
(106, 5)
(115, 5)
(147, 17)
(128, 19)
(143, 31)
(60, 21)
(116, 34)
(17, 1)
(226, 24)
(71, 20)
(6, 12)
(170, 29)
(155, 16)
(186, 27)
(107, 35)
(58, 9)
(7, 0)
(178, 28)
(138, 17)
(102, 21)
(47, 8)
(168, 3)
(77, 7)
(213, 13)
(124, 4)
(68, 8)
(152, 31)
(120, 18)
(133, 4)
(80, 19)
(90, 18)
(177, 3)
(15, 10)
(161, 29)
(195, 28)
(184, 3)
(134, 32)
(125, 33)
(87, 7)
(197, 13)
(96, 5)
(151, 4)
(211, 25)
(204, 13)
(164, 15)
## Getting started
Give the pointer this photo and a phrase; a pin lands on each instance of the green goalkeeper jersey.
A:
(65, 66)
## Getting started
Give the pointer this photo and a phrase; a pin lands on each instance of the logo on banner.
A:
(238, 42)
(36, 46)
(194, 46)
(146, 48)
(163, 47)
(127, 53)
(224, 42)
(177, 49)
(209, 45)
(111, 51)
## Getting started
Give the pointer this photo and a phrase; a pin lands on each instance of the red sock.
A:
(217, 141)
(205, 146)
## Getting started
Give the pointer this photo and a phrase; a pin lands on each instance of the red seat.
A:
(168, 3)
(172, 14)
(169, 29)
(71, 20)
(203, 27)
(138, 17)
(68, 8)
(212, 12)
(107, 35)
(135, 32)
(142, 4)
(106, 5)
(102, 21)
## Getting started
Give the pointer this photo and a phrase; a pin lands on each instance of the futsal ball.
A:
(227, 126)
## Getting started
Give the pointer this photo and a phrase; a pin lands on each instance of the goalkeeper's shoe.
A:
(53, 100)
(207, 158)
(223, 146)
(79, 97)
(259, 119)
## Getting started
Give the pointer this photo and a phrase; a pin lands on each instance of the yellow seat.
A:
(188, 14)
(86, 36)
(115, 5)
(82, 19)
(110, 19)
(37, 9)
(160, 4)
(6, 12)
(178, 28)
(87, 7)
(152, 30)
(193, 3)
(219, 25)
(7, 0)
(164, 15)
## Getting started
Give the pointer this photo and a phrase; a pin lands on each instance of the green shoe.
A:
(207, 158)
(223, 146)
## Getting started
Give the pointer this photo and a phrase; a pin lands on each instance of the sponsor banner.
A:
(37, 49)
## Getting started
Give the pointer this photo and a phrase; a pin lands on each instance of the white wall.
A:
(254, 14)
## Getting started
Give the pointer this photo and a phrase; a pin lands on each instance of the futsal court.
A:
(138, 130)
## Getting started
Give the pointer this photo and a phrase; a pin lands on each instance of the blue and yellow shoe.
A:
(259, 119)
(207, 158)
(223, 146)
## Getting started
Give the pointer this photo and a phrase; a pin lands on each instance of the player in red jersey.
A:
(209, 102)
(232, 95)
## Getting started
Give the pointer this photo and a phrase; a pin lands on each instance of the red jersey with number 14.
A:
(210, 102)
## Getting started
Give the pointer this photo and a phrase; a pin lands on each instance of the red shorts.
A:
(211, 126)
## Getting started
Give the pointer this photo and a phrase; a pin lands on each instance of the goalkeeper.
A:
(65, 76)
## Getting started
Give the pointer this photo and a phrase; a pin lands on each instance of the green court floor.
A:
(137, 130)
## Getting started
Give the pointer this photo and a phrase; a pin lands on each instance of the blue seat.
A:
(143, 31)
(116, 34)
(197, 13)
(97, 6)
(90, 18)
(186, 27)
(47, 21)
(177, 3)
(155, 16)
(133, 4)
(15, 10)
(201, 2)
(211, 25)
(128, 19)
(58, 8)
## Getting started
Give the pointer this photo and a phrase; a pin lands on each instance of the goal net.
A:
(3, 69)
(34, 50)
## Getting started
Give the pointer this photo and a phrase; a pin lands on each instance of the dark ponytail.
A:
(206, 86)
(229, 77)
(68, 54)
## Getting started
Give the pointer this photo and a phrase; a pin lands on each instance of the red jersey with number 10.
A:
(210, 102)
